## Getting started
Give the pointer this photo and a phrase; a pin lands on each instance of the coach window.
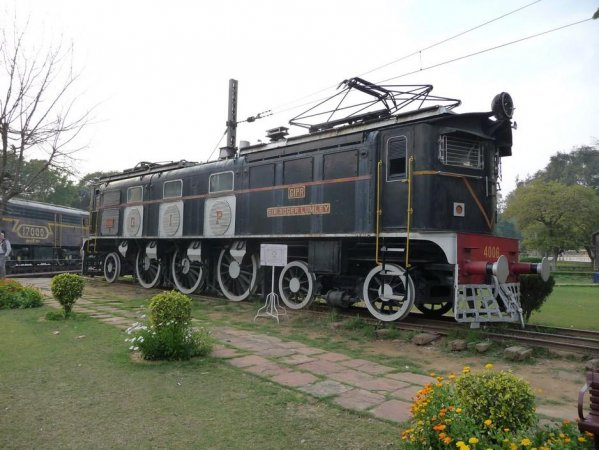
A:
(111, 198)
(340, 165)
(396, 157)
(172, 189)
(220, 182)
(297, 171)
(262, 176)
(134, 194)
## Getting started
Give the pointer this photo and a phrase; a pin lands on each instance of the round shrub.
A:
(502, 397)
(170, 308)
(533, 293)
(67, 288)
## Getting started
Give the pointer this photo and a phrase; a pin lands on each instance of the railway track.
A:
(584, 342)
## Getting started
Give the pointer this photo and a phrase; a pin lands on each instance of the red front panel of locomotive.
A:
(476, 247)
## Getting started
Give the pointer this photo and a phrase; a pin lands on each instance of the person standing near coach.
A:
(5, 250)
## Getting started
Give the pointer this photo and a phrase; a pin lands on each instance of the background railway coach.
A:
(44, 237)
(389, 208)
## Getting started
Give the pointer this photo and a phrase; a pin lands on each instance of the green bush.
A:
(533, 293)
(169, 342)
(14, 295)
(170, 307)
(31, 298)
(446, 414)
(501, 397)
(168, 334)
(67, 288)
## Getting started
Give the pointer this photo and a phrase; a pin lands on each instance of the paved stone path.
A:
(355, 384)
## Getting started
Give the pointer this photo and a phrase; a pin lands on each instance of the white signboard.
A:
(273, 255)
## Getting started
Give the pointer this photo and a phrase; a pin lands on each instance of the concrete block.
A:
(482, 347)
(457, 345)
(424, 338)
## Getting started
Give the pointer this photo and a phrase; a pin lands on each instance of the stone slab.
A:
(332, 356)
(268, 369)
(220, 351)
(246, 361)
(407, 393)
(413, 378)
(325, 388)
(353, 377)
(393, 410)
(359, 399)
(384, 384)
(369, 367)
(425, 338)
(296, 359)
(294, 379)
(322, 367)
(558, 412)
(276, 352)
(309, 350)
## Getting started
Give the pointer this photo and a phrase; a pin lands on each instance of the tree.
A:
(580, 166)
(554, 217)
(51, 186)
(38, 115)
(84, 188)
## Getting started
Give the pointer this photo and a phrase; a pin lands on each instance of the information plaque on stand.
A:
(273, 255)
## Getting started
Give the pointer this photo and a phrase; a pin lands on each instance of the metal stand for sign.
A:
(272, 255)
(272, 307)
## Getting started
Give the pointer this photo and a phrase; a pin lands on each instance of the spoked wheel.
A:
(147, 269)
(385, 293)
(434, 309)
(112, 267)
(236, 280)
(296, 285)
(188, 275)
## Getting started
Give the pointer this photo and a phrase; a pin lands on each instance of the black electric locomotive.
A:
(391, 208)
(44, 237)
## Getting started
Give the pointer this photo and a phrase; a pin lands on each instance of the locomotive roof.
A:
(423, 115)
(48, 207)
(407, 117)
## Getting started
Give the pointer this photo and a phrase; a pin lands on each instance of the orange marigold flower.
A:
(442, 435)
(439, 427)
(447, 440)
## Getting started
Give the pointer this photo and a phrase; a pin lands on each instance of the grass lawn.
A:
(570, 306)
(79, 389)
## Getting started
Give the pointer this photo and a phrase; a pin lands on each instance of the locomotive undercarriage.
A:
(342, 272)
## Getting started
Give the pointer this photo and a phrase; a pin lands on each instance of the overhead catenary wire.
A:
(276, 110)
(217, 144)
(459, 58)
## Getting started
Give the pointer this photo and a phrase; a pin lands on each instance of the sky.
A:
(156, 73)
